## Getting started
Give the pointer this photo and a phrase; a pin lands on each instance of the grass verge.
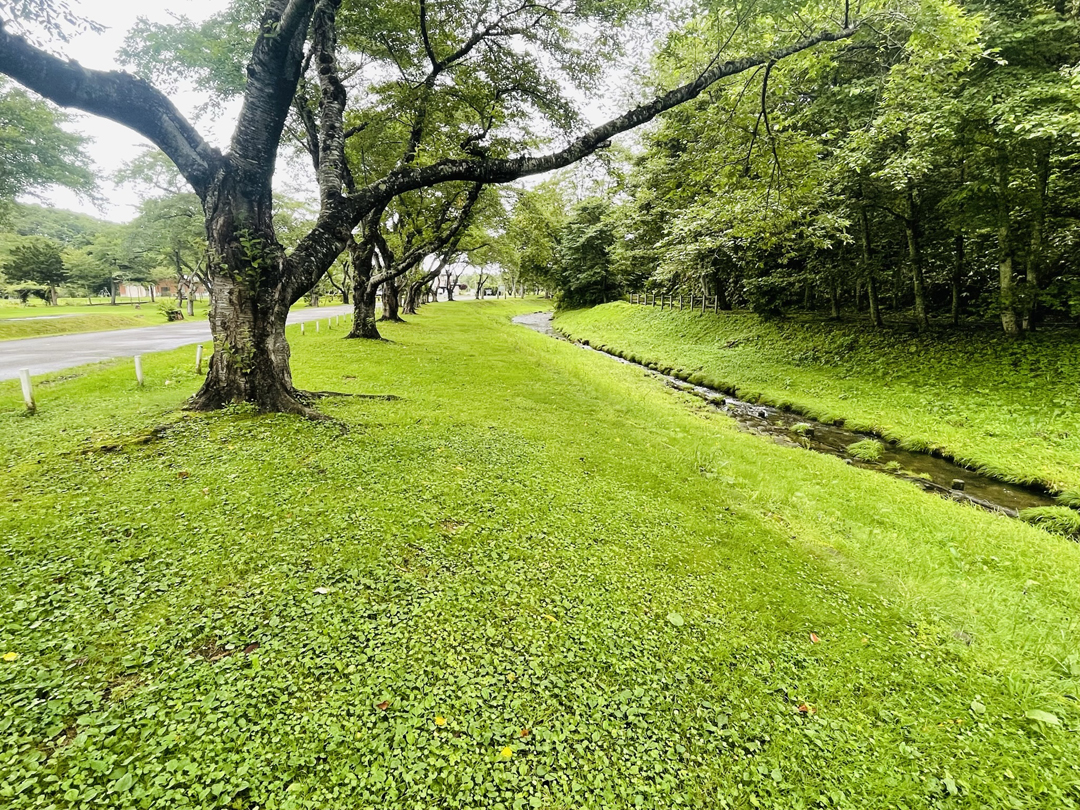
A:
(1006, 408)
(538, 580)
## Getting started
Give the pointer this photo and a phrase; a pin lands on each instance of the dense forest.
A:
(926, 172)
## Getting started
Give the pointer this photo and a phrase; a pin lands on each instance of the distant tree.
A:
(584, 273)
(38, 261)
(36, 153)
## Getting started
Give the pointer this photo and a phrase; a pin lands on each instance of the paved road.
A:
(48, 354)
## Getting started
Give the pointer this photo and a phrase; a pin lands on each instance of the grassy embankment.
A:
(17, 321)
(1007, 408)
(538, 580)
(41, 321)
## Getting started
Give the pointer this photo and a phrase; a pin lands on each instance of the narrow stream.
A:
(931, 473)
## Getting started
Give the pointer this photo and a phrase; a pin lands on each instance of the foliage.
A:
(480, 606)
(36, 153)
(865, 450)
(38, 261)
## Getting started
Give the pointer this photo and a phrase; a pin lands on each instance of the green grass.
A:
(1006, 408)
(866, 450)
(24, 322)
(539, 579)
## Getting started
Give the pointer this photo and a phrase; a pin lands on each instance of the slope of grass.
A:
(1007, 408)
(537, 580)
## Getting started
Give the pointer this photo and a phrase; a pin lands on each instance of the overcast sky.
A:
(113, 145)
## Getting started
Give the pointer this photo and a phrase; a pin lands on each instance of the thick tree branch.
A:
(117, 96)
(509, 169)
(332, 166)
(273, 74)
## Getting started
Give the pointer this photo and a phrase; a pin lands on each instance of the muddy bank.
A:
(931, 473)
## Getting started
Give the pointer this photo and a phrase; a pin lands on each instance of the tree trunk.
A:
(834, 301)
(957, 276)
(52, 294)
(362, 258)
(112, 292)
(364, 320)
(248, 273)
(1038, 226)
(911, 227)
(151, 288)
(250, 362)
(390, 301)
(1009, 320)
(868, 268)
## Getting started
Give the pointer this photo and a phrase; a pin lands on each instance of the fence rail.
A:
(698, 302)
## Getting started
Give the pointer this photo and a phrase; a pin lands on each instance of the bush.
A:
(171, 311)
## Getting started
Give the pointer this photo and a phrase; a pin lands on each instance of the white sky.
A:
(112, 145)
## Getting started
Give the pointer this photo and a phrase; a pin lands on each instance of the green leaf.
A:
(1039, 716)
(676, 619)
(977, 707)
(124, 783)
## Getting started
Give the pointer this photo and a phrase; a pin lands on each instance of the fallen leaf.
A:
(814, 638)
(10, 656)
(806, 709)
(382, 707)
(440, 721)
(550, 618)
(183, 474)
(676, 619)
(507, 752)
(250, 648)
(525, 732)
(322, 591)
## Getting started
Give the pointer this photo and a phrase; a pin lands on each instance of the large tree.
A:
(296, 44)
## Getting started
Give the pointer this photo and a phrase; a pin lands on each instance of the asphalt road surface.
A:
(47, 354)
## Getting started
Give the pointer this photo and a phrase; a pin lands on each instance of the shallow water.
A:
(924, 470)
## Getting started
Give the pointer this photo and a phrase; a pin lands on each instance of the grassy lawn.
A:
(537, 580)
(1007, 408)
(17, 321)
(39, 321)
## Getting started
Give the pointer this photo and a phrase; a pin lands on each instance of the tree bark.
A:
(391, 301)
(957, 276)
(1038, 227)
(1009, 320)
(912, 230)
(362, 256)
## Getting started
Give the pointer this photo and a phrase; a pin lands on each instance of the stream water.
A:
(930, 472)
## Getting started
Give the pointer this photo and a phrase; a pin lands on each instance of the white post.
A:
(316, 326)
(198, 359)
(27, 391)
(301, 329)
(138, 368)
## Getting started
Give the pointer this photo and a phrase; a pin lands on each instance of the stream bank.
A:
(932, 473)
